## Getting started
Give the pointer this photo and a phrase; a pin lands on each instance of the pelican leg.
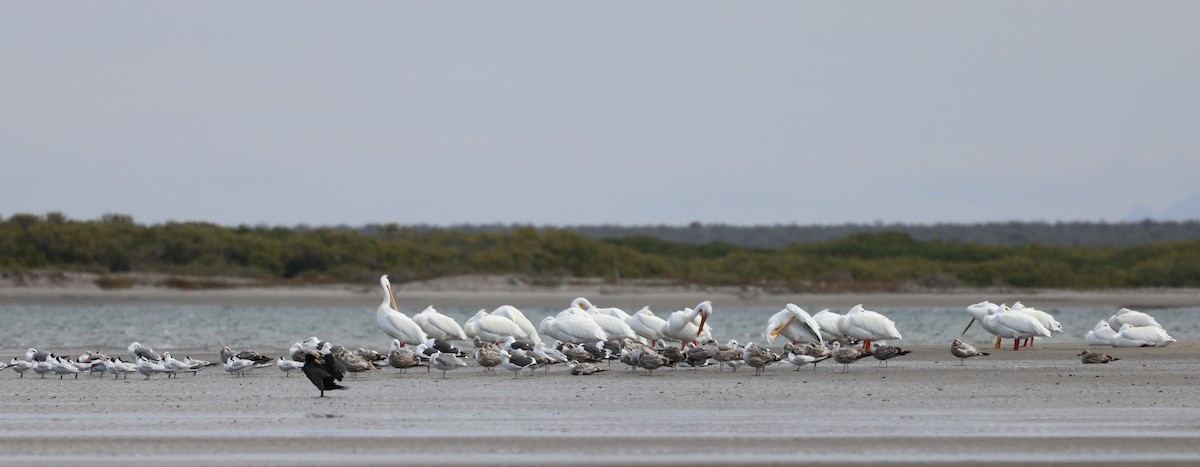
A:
(1016, 342)
(998, 339)
(1029, 342)
(867, 346)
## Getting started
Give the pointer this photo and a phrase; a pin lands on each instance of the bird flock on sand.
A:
(587, 339)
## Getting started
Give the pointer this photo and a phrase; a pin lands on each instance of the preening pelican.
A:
(1145, 336)
(1102, 334)
(686, 325)
(645, 324)
(1044, 318)
(439, 326)
(1136, 318)
(394, 323)
(867, 326)
(1003, 323)
(614, 327)
(828, 323)
(795, 325)
(586, 305)
(515, 315)
(493, 328)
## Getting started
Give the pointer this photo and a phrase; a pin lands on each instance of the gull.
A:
(515, 361)
(758, 357)
(1088, 356)
(487, 358)
(287, 366)
(35, 355)
(319, 375)
(137, 350)
(884, 352)
(394, 323)
(584, 368)
(439, 326)
(795, 325)
(1126, 316)
(724, 354)
(445, 361)
(800, 356)
(650, 360)
(1145, 336)
(1102, 334)
(646, 325)
(867, 325)
(964, 351)
(298, 350)
(402, 357)
(260, 359)
(847, 355)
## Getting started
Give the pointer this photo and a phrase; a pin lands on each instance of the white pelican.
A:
(1136, 318)
(614, 327)
(795, 325)
(1145, 336)
(686, 325)
(867, 326)
(978, 312)
(964, 351)
(573, 327)
(645, 324)
(515, 315)
(493, 328)
(1102, 334)
(1088, 356)
(1046, 319)
(439, 326)
(1005, 324)
(586, 305)
(394, 323)
(827, 322)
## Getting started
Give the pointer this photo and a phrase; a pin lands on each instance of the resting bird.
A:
(884, 352)
(964, 351)
(320, 377)
(1088, 356)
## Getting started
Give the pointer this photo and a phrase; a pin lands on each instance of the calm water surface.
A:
(269, 329)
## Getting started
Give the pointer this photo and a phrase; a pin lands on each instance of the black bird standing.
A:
(319, 374)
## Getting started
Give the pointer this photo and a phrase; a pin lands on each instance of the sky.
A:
(571, 113)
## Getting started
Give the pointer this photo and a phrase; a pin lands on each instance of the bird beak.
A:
(780, 329)
(393, 297)
(968, 326)
(703, 319)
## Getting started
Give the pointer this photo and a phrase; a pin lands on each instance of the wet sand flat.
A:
(1026, 406)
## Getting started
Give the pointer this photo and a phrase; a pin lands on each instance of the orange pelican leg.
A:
(867, 346)
(998, 339)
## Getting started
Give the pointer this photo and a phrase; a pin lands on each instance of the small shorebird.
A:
(1088, 356)
(964, 351)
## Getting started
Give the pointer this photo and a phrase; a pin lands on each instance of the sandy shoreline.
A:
(492, 291)
(1039, 406)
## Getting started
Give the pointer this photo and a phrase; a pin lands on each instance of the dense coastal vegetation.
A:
(115, 244)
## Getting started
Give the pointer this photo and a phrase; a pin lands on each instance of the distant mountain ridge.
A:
(1091, 234)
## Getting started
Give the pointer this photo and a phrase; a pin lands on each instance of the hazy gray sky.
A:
(602, 112)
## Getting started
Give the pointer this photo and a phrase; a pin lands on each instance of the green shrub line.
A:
(114, 244)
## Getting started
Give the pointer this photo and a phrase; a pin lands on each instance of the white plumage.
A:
(394, 323)
(1145, 336)
(795, 325)
(439, 326)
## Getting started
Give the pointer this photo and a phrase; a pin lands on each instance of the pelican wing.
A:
(1022, 323)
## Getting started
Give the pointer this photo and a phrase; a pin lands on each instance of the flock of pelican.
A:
(585, 335)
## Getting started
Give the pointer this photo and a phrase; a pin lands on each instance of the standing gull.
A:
(847, 355)
(884, 352)
(445, 362)
(964, 351)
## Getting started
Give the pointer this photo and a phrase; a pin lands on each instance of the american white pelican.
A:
(884, 352)
(1005, 324)
(586, 305)
(688, 324)
(964, 351)
(795, 325)
(1089, 357)
(515, 315)
(493, 328)
(828, 321)
(1146, 336)
(394, 323)
(445, 362)
(1046, 319)
(321, 374)
(867, 326)
(1136, 318)
(1102, 334)
(575, 326)
(439, 326)
(614, 327)
(646, 325)
(978, 312)
(287, 366)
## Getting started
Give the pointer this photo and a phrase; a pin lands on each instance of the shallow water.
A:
(165, 327)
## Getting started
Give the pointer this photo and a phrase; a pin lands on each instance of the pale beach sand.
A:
(1039, 406)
